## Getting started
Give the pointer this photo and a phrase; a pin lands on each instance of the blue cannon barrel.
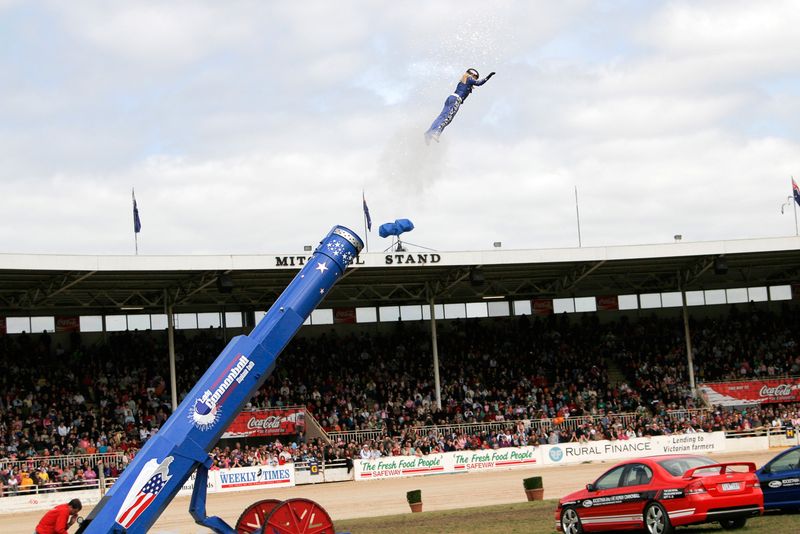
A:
(182, 444)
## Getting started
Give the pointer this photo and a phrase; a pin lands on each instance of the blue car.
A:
(780, 481)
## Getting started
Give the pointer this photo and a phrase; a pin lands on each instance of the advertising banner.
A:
(402, 466)
(212, 485)
(266, 423)
(752, 392)
(21, 504)
(68, 323)
(447, 462)
(542, 306)
(344, 315)
(607, 302)
(494, 459)
(256, 477)
(697, 443)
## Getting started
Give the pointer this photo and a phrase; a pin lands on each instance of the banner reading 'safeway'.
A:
(402, 466)
(447, 462)
(483, 460)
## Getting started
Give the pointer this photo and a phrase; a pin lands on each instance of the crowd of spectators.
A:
(72, 397)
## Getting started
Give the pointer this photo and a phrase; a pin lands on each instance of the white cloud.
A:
(253, 127)
(157, 34)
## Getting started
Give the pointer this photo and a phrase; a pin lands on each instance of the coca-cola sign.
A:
(751, 392)
(780, 390)
(254, 423)
(265, 423)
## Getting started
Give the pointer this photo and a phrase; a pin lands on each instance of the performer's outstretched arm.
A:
(473, 81)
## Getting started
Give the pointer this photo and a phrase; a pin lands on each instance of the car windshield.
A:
(678, 466)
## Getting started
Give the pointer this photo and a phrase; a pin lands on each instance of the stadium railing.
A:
(330, 464)
(563, 424)
(115, 459)
(353, 436)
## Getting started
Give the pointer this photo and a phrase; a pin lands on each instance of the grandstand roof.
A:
(64, 284)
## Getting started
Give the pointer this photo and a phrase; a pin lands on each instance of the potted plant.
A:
(414, 498)
(533, 488)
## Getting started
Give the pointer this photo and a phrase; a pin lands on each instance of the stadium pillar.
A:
(688, 335)
(435, 351)
(171, 342)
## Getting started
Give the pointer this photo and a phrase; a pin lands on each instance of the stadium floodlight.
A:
(493, 297)
(225, 283)
(720, 265)
(131, 308)
(476, 277)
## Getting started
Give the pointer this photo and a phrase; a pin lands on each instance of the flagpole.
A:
(794, 205)
(135, 234)
(578, 216)
(366, 231)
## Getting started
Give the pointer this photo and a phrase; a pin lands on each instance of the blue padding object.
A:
(397, 227)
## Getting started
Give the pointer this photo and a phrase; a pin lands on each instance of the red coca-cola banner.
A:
(2, 326)
(542, 306)
(752, 392)
(266, 423)
(68, 324)
(344, 315)
(607, 302)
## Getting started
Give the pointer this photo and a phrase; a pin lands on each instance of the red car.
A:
(659, 493)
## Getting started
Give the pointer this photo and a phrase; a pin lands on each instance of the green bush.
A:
(532, 483)
(414, 496)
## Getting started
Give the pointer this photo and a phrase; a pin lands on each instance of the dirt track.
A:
(345, 500)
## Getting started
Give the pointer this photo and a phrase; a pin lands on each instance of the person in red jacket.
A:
(60, 518)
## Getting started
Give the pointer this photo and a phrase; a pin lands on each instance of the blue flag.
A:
(137, 223)
(366, 212)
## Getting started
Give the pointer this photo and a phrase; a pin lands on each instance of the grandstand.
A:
(530, 347)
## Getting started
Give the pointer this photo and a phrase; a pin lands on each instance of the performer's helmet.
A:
(473, 72)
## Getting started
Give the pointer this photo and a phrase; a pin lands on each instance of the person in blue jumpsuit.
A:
(469, 80)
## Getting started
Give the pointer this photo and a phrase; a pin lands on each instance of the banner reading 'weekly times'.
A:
(752, 392)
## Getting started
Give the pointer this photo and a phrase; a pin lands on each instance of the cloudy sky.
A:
(253, 127)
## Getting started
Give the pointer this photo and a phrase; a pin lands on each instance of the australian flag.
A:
(795, 190)
(369, 219)
(137, 223)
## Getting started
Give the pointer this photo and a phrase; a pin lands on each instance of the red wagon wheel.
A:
(254, 517)
(299, 516)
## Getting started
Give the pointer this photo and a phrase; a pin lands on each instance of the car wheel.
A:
(570, 522)
(733, 524)
(656, 520)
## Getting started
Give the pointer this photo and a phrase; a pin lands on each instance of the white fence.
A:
(116, 459)
(265, 477)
